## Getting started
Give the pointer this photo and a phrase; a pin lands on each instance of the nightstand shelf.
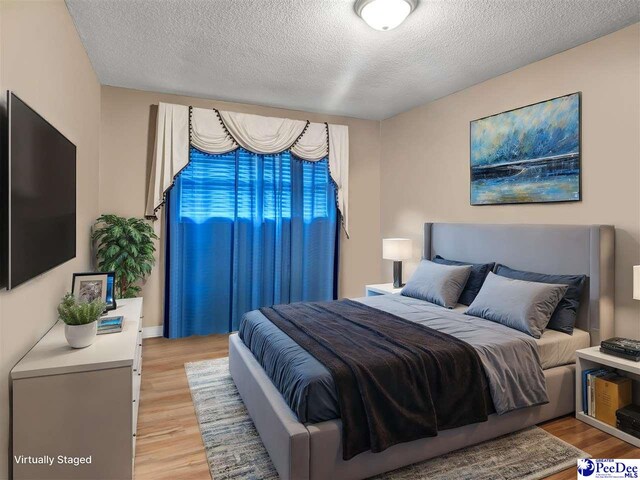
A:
(592, 358)
(605, 427)
(380, 289)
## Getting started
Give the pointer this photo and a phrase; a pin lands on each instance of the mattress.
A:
(308, 388)
(558, 348)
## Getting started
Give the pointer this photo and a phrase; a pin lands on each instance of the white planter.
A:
(80, 336)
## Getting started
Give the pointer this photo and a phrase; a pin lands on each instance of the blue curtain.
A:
(244, 231)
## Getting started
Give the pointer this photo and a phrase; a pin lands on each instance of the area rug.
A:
(234, 450)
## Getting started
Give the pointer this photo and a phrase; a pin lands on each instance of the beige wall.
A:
(425, 154)
(127, 133)
(43, 61)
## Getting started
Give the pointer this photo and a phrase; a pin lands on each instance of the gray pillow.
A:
(439, 284)
(525, 306)
(564, 317)
(479, 272)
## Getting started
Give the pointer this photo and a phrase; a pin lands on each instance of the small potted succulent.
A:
(80, 320)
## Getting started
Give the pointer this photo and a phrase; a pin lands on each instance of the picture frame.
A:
(528, 155)
(88, 286)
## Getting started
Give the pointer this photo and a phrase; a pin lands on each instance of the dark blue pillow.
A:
(479, 272)
(564, 316)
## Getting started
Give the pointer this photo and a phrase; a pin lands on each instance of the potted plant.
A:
(80, 320)
(125, 246)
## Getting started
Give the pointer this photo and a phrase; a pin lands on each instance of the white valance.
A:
(170, 153)
(313, 145)
(207, 132)
(217, 132)
(262, 134)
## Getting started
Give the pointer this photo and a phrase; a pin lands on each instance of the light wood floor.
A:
(169, 445)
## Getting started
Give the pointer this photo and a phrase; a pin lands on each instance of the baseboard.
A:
(150, 332)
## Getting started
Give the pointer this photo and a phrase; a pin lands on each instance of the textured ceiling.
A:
(318, 55)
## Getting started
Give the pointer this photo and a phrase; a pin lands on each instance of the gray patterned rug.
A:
(234, 449)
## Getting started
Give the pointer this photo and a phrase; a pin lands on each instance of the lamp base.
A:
(397, 275)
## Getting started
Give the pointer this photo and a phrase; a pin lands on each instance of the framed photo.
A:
(90, 286)
(527, 155)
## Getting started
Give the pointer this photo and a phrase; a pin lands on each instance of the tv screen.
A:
(42, 194)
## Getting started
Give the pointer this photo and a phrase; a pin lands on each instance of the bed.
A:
(311, 448)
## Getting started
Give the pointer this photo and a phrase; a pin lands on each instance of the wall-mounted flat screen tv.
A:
(41, 190)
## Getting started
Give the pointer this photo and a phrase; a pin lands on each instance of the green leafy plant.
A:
(125, 246)
(73, 312)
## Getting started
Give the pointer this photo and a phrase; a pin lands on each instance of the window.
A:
(244, 231)
(244, 185)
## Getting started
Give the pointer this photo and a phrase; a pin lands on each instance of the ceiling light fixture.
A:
(384, 14)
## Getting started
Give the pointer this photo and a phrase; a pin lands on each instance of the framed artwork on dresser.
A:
(90, 286)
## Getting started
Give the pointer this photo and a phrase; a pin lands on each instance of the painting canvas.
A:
(527, 155)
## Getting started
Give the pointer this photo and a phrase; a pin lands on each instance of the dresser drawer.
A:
(137, 360)
(135, 405)
(136, 379)
(134, 419)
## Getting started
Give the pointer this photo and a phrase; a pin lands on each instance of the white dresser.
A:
(75, 411)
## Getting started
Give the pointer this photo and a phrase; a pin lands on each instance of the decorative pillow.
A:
(525, 306)
(439, 284)
(478, 273)
(564, 317)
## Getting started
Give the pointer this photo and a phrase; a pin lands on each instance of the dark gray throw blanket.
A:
(397, 380)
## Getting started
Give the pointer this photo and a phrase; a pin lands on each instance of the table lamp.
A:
(636, 282)
(396, 249)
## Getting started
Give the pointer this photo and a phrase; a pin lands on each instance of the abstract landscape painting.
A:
(527, 155)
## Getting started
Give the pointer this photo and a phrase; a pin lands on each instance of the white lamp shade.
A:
(636, 282)
(396, 249)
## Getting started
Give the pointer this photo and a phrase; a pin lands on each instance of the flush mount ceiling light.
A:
(384, 14)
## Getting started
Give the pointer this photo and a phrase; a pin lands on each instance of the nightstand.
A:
(593, 358)
(380, 289)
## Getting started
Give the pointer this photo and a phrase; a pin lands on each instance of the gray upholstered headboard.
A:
(555, 249)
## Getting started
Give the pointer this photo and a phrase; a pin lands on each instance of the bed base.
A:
(314, 451)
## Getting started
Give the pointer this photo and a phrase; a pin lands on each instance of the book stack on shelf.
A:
(622, 347)
(604, 393)
(628, 420)
(110, 325)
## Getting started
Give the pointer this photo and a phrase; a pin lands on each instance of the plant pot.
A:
(80, 336)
